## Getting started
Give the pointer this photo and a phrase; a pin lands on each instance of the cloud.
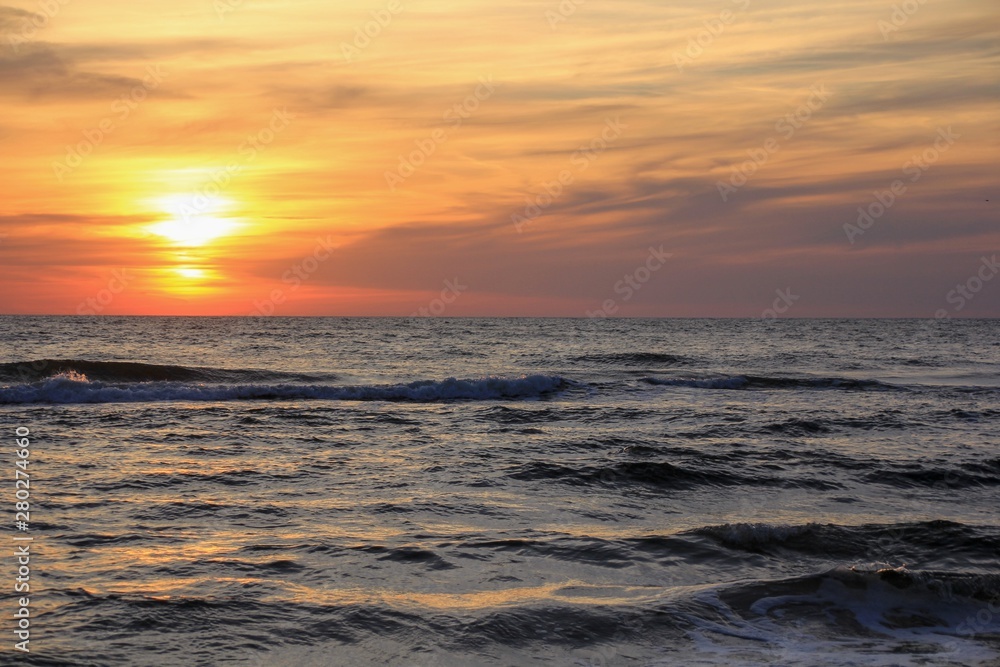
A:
(39, 71)
(12, 19)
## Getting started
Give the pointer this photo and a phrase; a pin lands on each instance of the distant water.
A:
(310, 492)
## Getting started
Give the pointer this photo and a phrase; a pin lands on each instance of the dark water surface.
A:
(296, 491)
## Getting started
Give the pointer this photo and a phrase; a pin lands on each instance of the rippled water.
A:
(508, 492)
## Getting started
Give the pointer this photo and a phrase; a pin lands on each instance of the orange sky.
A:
(231, 157)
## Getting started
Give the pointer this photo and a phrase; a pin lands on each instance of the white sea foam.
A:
(866, 621)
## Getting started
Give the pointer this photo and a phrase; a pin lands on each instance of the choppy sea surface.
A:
(438, 492)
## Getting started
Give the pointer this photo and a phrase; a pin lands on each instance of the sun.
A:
(190, 272)
(196, 219)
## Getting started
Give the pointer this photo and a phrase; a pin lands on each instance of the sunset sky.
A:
(231, 157)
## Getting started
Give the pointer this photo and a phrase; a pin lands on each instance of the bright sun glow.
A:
(189, 272)
(196, 220)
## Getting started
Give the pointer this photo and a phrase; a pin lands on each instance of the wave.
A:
(130, 371)
(658, 474)
(645, 606)
(930, 542)
(76, 388)
(769, 382)
(635, 358)
(973, 475)
(820, 426)
(842, 615)
(861, 615)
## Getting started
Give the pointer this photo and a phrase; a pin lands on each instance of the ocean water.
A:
(304, 492)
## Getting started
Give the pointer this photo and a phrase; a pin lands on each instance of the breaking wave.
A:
(73, 387)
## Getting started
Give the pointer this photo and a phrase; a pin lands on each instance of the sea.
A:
(461, 492)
